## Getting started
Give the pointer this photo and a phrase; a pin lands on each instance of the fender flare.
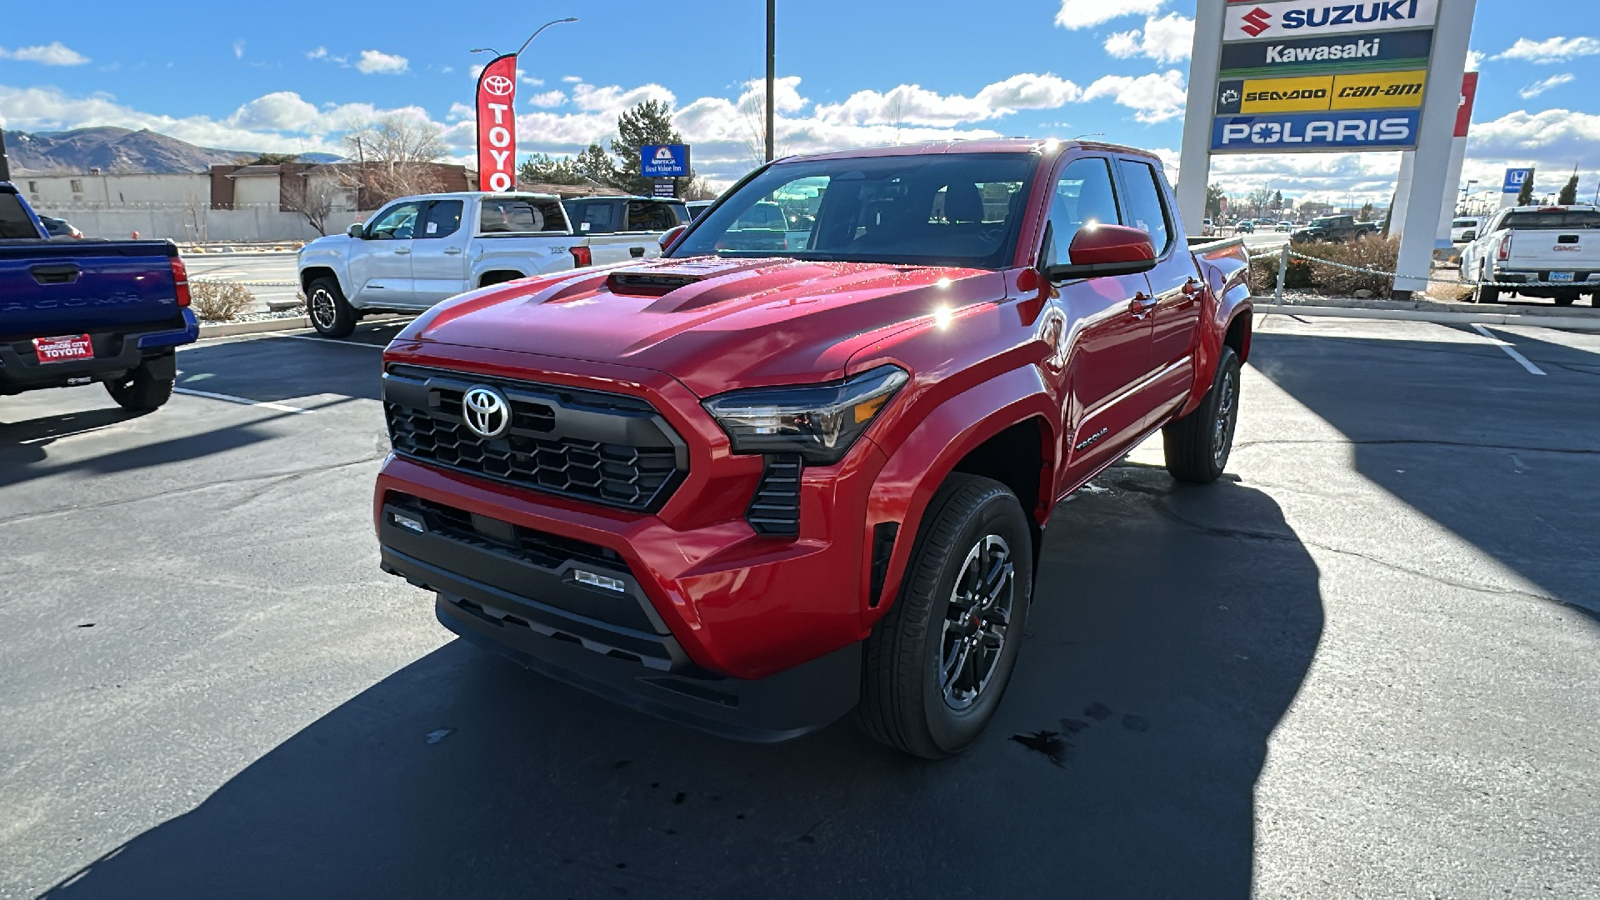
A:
(919, 466)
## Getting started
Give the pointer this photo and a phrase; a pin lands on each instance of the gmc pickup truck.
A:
(753, 490)
(1536, 251)
(82, 312)
(418, 251)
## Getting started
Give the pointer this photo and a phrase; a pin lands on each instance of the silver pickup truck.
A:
(1554, 250)
(418, 251)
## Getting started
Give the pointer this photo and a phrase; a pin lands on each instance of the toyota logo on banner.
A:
(486, 412)
(497, 125)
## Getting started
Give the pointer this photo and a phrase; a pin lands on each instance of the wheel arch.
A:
(490, 277)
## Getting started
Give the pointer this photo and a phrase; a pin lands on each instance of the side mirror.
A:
(355, 230)
(1101, 250)
(671, 236)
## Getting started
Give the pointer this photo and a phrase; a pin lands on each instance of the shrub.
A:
(1369, 253)
(219, 301)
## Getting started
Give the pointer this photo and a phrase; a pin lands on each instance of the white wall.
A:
(203, 224)
(255, 190)
(114, 191)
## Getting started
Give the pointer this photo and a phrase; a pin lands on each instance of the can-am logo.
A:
(1351, 13)
(1256, 21)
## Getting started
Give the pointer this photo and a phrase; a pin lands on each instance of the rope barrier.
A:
(1512, 285)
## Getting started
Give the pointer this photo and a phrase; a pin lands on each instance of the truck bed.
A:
(51, 287)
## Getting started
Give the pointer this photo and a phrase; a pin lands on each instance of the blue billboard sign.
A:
(1514, 180)
(1337, 130)
(664, 161)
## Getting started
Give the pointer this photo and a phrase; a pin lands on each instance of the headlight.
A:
(819, 422)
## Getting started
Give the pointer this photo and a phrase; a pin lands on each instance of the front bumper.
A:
(575, 612)
(115, 353)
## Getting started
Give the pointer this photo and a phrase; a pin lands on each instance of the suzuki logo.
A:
(1256, 21)
(498, 85)
(486, 411)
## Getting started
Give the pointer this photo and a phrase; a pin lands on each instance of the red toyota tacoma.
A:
(774, 477)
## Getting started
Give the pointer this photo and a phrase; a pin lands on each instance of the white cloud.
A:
(446, 70)
(1551, 136)
(613, 99)
(1167, 39)
(525, 78)
(54, 53)
(238, 49)
(915, 105)
(1088, 13)
(1556, 49)
(1474, 60)
(1154, 97)
(318, 53)
(376, 61)
(548, 98)
(1539, 87)
(571, 79)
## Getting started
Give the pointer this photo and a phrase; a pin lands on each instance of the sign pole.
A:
(5, 165)
(772, 69)
(1436, 133)
(1194, 165)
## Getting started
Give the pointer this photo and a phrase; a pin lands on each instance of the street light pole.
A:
(772, 41)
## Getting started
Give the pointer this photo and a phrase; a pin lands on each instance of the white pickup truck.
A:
(418, 251)
(1545, 247)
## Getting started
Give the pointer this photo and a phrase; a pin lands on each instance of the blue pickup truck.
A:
(79, 312)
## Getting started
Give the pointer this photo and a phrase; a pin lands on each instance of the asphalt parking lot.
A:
(1366, 664)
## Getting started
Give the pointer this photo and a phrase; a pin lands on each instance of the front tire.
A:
(939, 662)
(331, 315)
(1199, 444)
(139, 390)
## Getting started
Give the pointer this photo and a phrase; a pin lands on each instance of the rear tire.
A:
(938, 663)
(139, 391)
(1199, 444)
(1482, 293)
(331, 315)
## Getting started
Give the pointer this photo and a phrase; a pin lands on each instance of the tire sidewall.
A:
(1228, 369)
(343, 315)
(952, 729)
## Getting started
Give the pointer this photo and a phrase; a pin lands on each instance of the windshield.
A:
(961, 209)
(1528, 221)
(1463, 223)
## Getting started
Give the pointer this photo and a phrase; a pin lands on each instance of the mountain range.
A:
(117, 151)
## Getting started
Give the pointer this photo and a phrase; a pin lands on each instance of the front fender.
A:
(925, 458)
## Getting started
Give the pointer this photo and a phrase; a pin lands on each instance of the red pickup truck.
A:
(753, 489)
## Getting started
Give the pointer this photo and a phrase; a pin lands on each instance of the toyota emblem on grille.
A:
(486, 411)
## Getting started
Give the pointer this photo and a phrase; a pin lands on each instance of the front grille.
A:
(545, 550)
(605, 448)
(776, 507)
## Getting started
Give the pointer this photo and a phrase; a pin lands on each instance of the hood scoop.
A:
(658, 279)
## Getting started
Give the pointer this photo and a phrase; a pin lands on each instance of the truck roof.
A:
(623, 197)
(468, 195)
(984, 145)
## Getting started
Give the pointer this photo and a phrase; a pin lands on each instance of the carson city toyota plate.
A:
(63, 348)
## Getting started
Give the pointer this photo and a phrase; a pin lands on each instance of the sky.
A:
(850, 74)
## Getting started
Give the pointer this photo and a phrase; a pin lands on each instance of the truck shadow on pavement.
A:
(1172, 628)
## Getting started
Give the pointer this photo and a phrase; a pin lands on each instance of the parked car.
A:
(696, 207)
(1333, 229)
(60, 228)
(1284, 226)
(1553, 245)
(417, 251)
(1208, 228)
(1245, 226)
(625, 215)
(751, 490)
(1465, 229)
(108, 312)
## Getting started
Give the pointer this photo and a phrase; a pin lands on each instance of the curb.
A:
(228, 329)
(1568, 323)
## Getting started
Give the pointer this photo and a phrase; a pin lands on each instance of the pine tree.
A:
(594, 164)
(1525, 196)
(1214, 201)
(647, 124)
(1569, 194)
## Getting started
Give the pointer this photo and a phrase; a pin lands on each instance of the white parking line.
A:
(323, 340)
(1510, 350)
(232, 399)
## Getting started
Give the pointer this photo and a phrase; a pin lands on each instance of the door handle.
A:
(1191, 287)
(1141, 306)
(453, 251)
(402, 251)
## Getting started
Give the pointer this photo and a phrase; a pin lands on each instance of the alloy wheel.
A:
(976, 619)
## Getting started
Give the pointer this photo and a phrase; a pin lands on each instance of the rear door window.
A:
(520, 215)
(444, 219)
(14, 221)
(650, 215)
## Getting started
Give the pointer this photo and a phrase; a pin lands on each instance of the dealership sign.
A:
(1299, 132)
(1514, 180)
(1400, 50)
(1362, 90)
(1308, 18)
(497, 125)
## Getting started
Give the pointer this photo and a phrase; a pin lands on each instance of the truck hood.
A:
(714, 324)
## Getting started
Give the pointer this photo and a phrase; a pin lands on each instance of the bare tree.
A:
(395, 155)
(313, 196)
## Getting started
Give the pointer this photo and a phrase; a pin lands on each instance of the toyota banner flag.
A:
(497, 125)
